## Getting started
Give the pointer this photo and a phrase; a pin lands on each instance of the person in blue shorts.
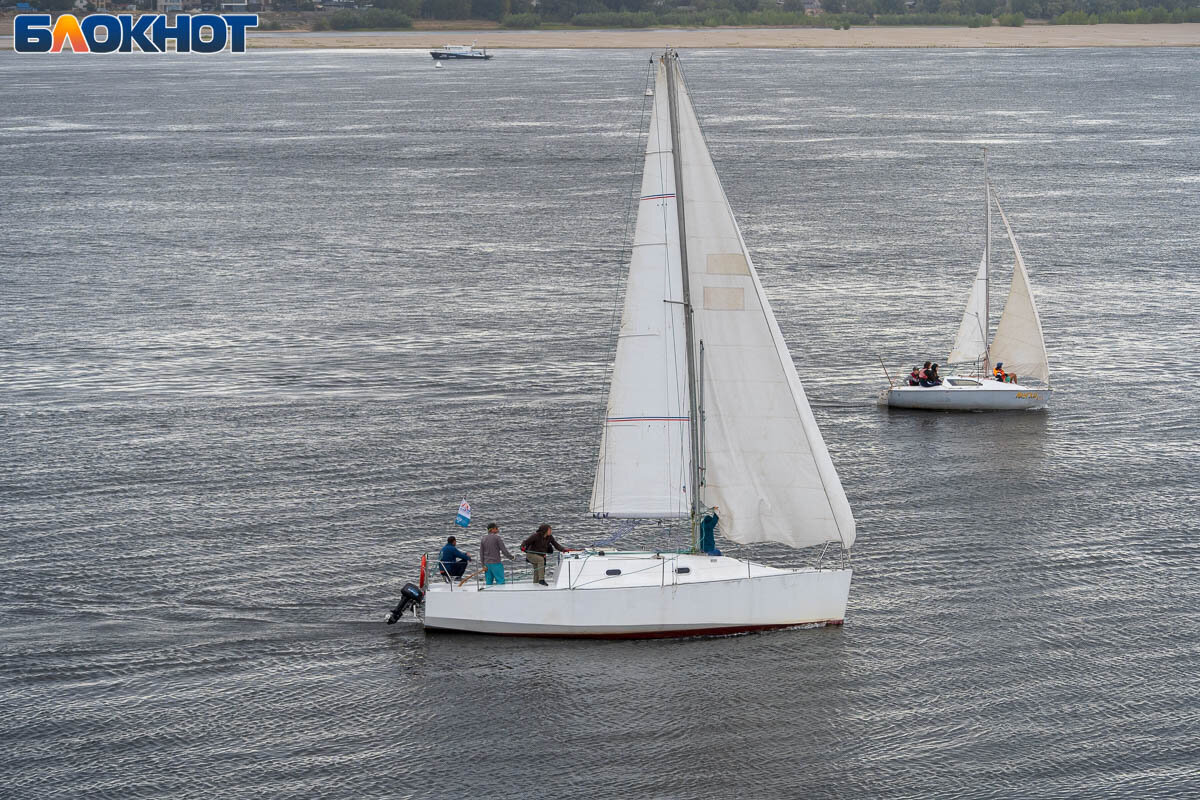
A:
(491, 547)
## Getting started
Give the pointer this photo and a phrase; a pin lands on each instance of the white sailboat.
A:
(1018, 344)
(705, 410)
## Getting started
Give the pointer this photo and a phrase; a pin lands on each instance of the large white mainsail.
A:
(645, 451)
(1018, 343)
(765, 463)
(970, 345)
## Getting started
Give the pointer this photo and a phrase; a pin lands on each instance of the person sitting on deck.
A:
(914, 377)
(999, 374)
(929, 376)
(452, 562)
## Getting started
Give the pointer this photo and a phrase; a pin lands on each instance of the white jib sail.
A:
(971, 342)
(1018, 343)
(645, 451)
(765, 463)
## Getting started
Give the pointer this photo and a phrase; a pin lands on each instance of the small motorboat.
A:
(461, 51)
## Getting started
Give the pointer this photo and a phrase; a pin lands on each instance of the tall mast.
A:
(987, 267)
(671, 59)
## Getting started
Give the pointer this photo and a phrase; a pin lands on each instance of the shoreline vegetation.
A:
(343, 15)
(497, 38)
(295, 30)
(386, 18)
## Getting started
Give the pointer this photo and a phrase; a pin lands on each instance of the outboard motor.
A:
(410, 596)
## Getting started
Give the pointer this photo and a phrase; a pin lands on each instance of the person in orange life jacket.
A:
(537, 547)
(452, 562)
(1002, 376)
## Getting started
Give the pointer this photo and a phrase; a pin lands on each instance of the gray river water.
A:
(266, 319)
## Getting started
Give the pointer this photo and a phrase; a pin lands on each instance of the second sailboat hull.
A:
(987, 396)
(580, 605)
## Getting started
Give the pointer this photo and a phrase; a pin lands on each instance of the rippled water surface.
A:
(266, 320)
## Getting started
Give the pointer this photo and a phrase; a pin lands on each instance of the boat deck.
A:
(651, 595)
(611, 570)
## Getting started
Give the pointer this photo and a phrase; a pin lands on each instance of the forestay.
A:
(971, 343)
(765, 463)
(1018, 342)
(645, 456)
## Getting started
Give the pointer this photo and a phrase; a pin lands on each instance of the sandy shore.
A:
(1183, 35)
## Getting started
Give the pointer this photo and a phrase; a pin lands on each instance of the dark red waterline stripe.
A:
(649, 634)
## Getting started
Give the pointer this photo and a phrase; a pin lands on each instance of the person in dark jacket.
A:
(452, 562)
(923, 374)
(929, 376)
(537, 547)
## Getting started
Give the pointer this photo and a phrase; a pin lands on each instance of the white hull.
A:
(986, 396)
(650, 599)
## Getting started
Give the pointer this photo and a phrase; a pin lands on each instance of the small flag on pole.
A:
(464, 514)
